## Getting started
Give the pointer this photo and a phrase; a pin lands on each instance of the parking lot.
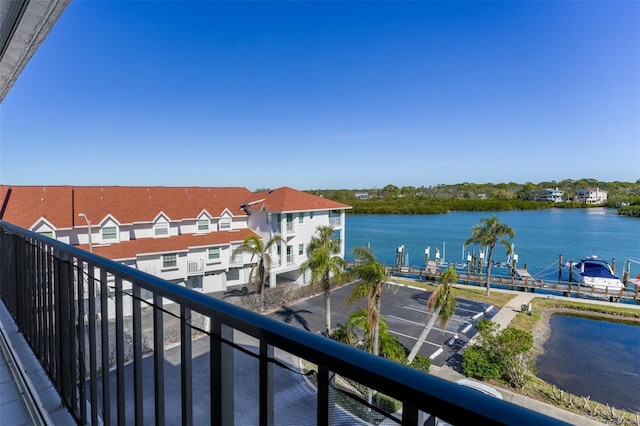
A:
(406, 312)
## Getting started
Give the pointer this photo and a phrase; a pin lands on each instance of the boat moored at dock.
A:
(594, 272)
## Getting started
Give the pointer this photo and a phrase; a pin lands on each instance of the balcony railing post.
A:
(266, 385)
(28, 292)
(186, 367)
(137, 355)
(64, 323)
(409, 414)
(104, 344)
(41, 301)
(120, 351)
(326, 399)
(21, 278)
(93, 340)
(81, 330)
(50, 335)
(222, 366)
(158, 360)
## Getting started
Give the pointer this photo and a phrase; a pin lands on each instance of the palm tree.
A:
(347, 333)
(260, 271)
(372, 275)
(443, 304)
(324, 262)
(487, 234)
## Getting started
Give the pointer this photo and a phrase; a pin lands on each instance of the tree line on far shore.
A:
(625, 196)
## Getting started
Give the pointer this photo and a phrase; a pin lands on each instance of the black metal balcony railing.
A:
(114, 361)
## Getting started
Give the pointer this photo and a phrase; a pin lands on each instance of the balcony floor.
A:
(12, 405)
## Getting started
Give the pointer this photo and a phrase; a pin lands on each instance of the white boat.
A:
(596, 273)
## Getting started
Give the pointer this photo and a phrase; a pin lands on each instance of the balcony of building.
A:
(181, 356)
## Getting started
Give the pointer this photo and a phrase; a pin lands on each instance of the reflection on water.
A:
(595, 358)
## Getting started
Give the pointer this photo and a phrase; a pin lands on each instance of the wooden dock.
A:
(524, 274)
(522, 281)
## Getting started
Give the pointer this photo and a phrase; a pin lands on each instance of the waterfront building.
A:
(186, 235)
(553, 195)
(591, 196)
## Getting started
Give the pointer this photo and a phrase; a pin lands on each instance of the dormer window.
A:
(225, 223)
(44, 228)
(203, 224)
(161, 229)
(109, 233)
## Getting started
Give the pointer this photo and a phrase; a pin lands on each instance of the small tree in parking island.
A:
(487, 234)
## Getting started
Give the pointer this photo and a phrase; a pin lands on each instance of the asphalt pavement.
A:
(405, 309)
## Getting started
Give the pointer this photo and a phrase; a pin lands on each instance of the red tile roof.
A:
(60, 205)
(24, 205)
(130, 249)
(286, 199)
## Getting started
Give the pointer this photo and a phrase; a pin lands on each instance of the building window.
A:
(169, 261)
(300, 249)
(225, 223)
(203, 225)
(311, 215)
(233, 274)
(289, 255)
(161, 229)
(46, 233)
(109, 233)
(213, 254)
(300, 217)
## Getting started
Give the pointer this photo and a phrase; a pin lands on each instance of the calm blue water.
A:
(540, 237)
(609, 371)
(610, 374)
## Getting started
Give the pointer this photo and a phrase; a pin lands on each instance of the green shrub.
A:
(479, 363)
(421, 362)
(387, 403)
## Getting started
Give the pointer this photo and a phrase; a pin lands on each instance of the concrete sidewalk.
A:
(512, 308)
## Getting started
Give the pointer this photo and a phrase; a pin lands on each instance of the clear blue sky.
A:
(328, 94)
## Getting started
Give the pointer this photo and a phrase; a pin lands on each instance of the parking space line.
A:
(405, 320)
(469, 310)
(415, 338)
(411, 308)
(424, 311)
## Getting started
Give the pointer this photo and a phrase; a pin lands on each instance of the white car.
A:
(478, 386)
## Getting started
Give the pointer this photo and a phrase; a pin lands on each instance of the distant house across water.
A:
(591, 196)
(553, 195)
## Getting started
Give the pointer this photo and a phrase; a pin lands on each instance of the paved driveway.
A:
(406, 313)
